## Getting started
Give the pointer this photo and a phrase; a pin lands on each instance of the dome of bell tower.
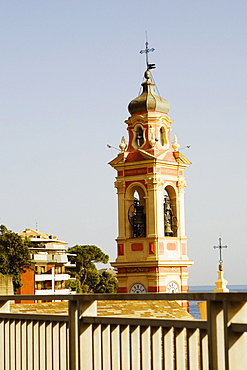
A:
(148, 101)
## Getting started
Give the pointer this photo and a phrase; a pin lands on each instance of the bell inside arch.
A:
(168, 207)
(139, 137)
(168, 228)
(168, 216)
(139, 213)
(137, 217)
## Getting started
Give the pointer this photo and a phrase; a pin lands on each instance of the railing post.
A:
(157, 348)
(97, 343)
(73, 335)
(5, 306)
(237, 342)
(204, 350)
(86, 308)
(193, 340)
(106, 347)
(135, 348)
(169, 355)
(217, 335)
(116, 345)
(145, 348)
(125, 348)
(180, 340)
(80, 334)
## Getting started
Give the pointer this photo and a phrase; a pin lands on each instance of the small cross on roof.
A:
(220, 246)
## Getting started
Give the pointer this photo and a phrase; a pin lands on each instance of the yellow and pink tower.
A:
(151, 243)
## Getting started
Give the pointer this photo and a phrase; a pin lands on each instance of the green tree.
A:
(87, 276)
(14, 255)
(107, 283)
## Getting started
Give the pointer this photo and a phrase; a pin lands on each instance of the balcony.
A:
(82, 340)
(50, 258)
(47, 277)
(44, 291)
(50, 291)
(62, 291)
(60, 277)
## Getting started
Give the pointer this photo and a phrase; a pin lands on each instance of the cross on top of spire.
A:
(147, 51)
(220, 246)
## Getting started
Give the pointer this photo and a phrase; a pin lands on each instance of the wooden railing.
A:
(82, 340)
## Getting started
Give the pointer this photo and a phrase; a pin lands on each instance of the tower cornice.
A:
(158, 263)
(120, 161)
(149, 117)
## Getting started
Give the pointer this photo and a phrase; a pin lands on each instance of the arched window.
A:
(170, 212)
(137, 217)
(139, 137)
(163, 139)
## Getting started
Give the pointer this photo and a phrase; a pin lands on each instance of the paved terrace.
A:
(82, 340)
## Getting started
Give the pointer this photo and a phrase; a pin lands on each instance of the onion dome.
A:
(148, 101)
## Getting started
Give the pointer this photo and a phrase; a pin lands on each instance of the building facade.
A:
(151, 243)
(50, 260)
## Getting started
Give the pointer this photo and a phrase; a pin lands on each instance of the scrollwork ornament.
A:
(152, 140)
(120, 186)
(181, 184)
(155, 182)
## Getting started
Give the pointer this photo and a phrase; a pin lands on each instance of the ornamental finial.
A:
(123, 144)
(175, 144)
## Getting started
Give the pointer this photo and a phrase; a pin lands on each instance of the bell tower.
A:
(150, 182)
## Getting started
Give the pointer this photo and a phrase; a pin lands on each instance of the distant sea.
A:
(194, 309)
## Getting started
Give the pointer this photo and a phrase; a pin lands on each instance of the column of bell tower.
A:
(152, 245)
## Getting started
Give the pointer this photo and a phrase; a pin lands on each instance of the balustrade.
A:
(82, 340)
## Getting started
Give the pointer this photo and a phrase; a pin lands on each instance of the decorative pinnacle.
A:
(175, 144)
(123, 144)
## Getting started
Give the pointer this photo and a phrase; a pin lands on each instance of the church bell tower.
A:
(150, 182)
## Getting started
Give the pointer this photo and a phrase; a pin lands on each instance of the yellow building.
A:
(150, 182)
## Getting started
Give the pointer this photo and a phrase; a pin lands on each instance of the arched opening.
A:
(137, 215)
(139, 137)
(163, 138)
(170, 212)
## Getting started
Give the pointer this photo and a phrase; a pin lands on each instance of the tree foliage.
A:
(14, 255)
(88, 278)
(107, 283)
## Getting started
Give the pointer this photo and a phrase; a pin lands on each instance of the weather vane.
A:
(147, 51)
(220, 246)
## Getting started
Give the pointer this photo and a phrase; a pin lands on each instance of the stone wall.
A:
(6, 286)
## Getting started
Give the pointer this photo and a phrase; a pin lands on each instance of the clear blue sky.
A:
(68, 70)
